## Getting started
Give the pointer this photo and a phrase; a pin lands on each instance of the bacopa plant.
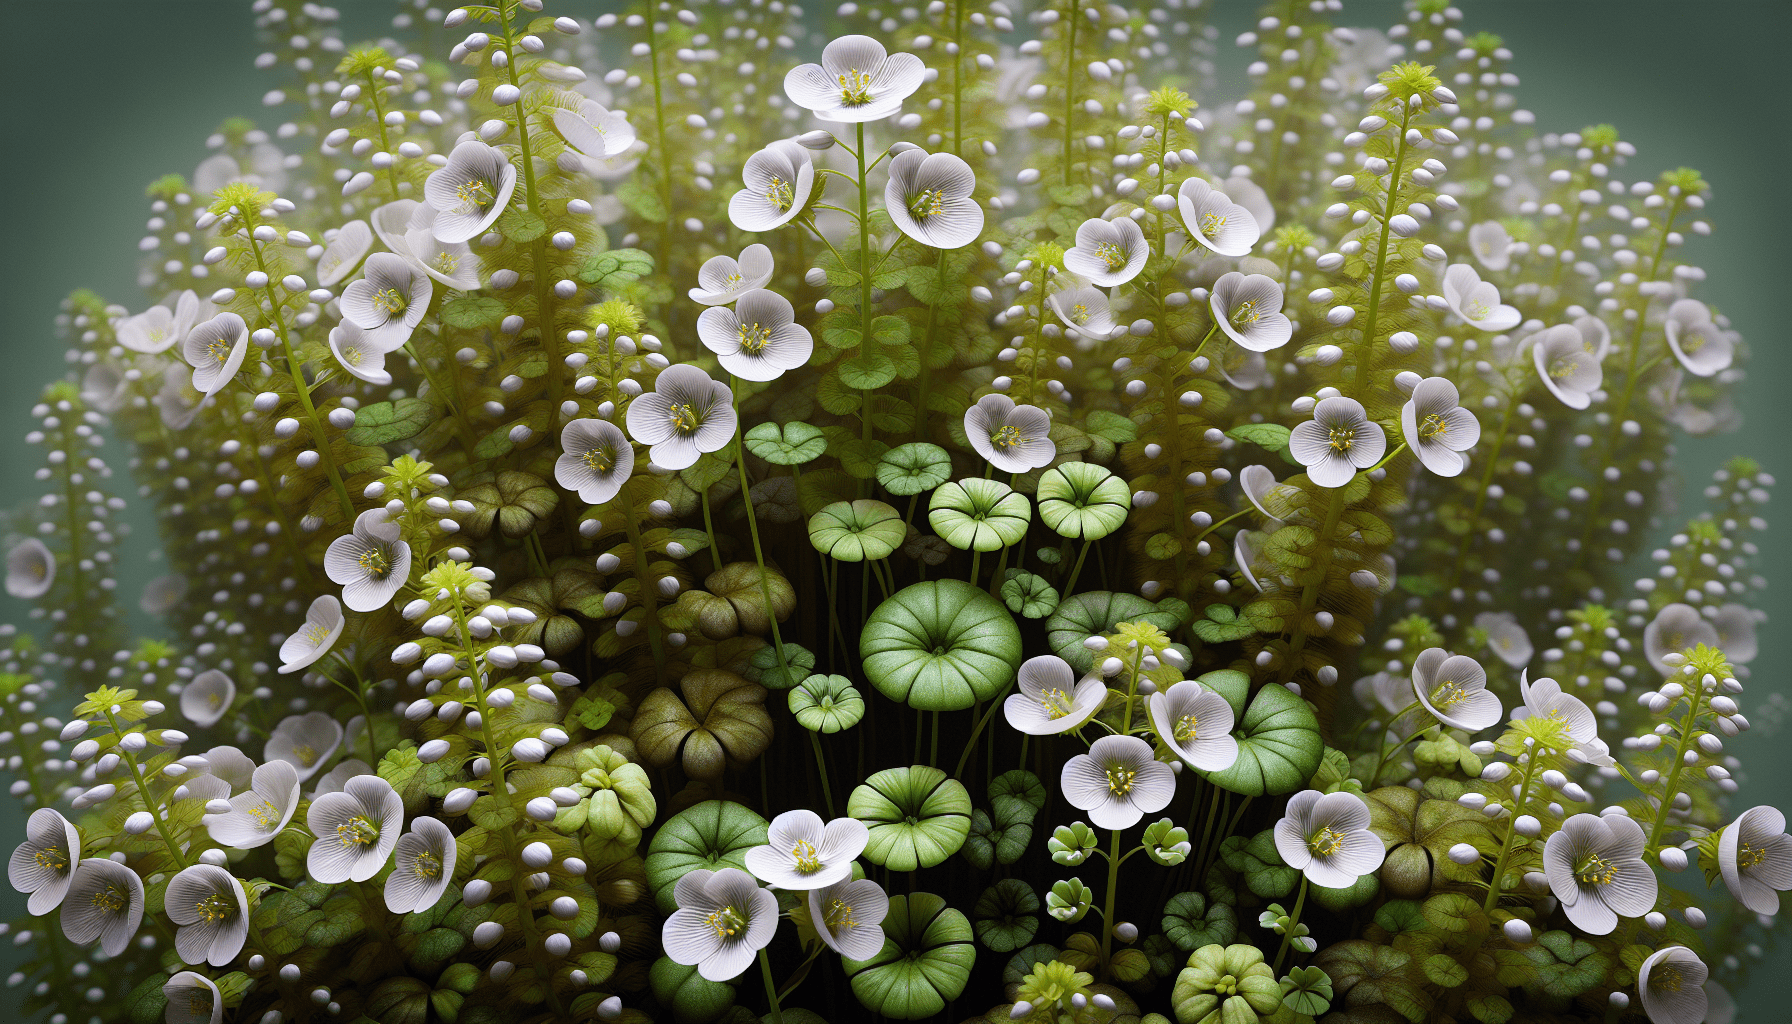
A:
(735, 512)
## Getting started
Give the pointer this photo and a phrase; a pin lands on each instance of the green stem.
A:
(130, 760)
(1358, 385)
(1474, 519)
(544, 292)
(1077, 568)
(864, 281)
(1293, 923)
(1499, 866)
(1070, 76)
(649, 601)
(977, 732)
(1688, 728)
(1107, 905)
(1309, 595)
(821, 766)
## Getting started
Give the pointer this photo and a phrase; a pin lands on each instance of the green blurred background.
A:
(102, 96)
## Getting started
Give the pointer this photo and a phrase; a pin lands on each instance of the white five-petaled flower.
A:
(1490, 244)
(1437, 427)
(1108, 252)
(1453, 687)
(778, 181)
(1698, 342)
(1595, 336)
(1754, 854)
(471, 192)
(1326, 837)
(160, 327)
(1051, 699)
(1595, 867)
(371, 563)
(594, 130)
(356, 830)
(389, 299)
(215, 351)
(344, 253)
(1676, 629)
(758, 339)
(803, 852)
(257, 815)
(929, 199)
(422, 867)
(30, 569)
(1196, 724)
(205, 700)
(1476, 301)
(1569, 371)
(685, 415)
(192, 999)
(44, 864)
(307, 742)
(104, 902)
(1248, 307)
(597, 459)
(1260, 488)
(333, 780)
(857, 80)
(452, 263)
(1671, 983)
(1339, 440)
(1544, 699)
(722, 279)
(1214, 220)
(1506, 638)
(723, 919)
(1118, 782)
(1084, 310)
(1246, 550)
(323, 624)
(208, 905)
(363, 353)
(848, 916)
(1014, 438)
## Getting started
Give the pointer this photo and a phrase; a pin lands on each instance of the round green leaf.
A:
(710, 835)
(826, 704)
(789, 445)
(940, 645)
(1007, 915)
(867, 371)
(1095, 613)
(1029, 595)
(1081, 499)
(854, 531)
(917, 817)
(1018, 784)
(926, 960)
(1190, 922)
(692, 998)
(1278, 746)
(979, 515)
(913, 468)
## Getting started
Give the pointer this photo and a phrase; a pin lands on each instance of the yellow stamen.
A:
(601, 460)
(754, 337)
(1595, 870)
(855, 88)
(1006, 437)
(684, 418)
(427, 866)
(219, 350)
(780, 193)
(1447, 694)
(475, 192)
(727, 922)
(1325, 842)
(111, 899)
(389, 302)
(1342, 438)
(1112, 255)
(55, 858)
(1186, 728)
(1120, 780)
(837, 916)
(1432, 427)
(1246, 314)
(265, 815)
(1056, 703)
(930, 203)
(216, 908)
(1212, 224)
(374, 563)
(1748, 856)
(808, 861)
(307, 755)
(357, 831)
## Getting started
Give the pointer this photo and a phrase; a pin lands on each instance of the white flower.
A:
(848, 916)
(208, 905)
(722, 279)
(1084, 309)
(451, 263)
(1490, 244)
(1014, 438)
(1260, 488)
(471, 192)
(1453, 687)
(1671, 982)
(362, 353)
(158, 328)
(104, 902)
(1754, 854)
(1246, 545)
(1215, 221)
(1339, 440)
(1595, 336)
(1700, 345)
(306, 741)
(1051, 699)
(192, 999)
(1569, 371)
(344, 253)
(598, 459)
(1248, 307)
(1476, 301)
(723, 919)
(1735, 625)
(1676, 629)
(204, 700)
(594, 130)
(1326, 836)
(422, 867)
(1506, 638)
(389, 299)
(30, 569)
(802, 852)
(685, 415)
(1108, 252)
(779, 179)
(1118, 782)
(230, 765)
(929, 199)
(356, 830)
(1244, 369)
(392, 221)
(371, 563)
(1545, 699)
(104, 387)
(759, 338)
(333, 780)
(855, 81)
(1595, 868)
(1251, 196)
(256, 816)
(44, 864)
(1196, 724)
(323, 624)
(1437, 427)
(215, 351)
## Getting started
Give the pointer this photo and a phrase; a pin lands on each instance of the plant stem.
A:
(821, 765)
(1107, 906)
(1499, 866)
(1070, 76)
(1688, 726)
(1293, 923)
(1358, 385)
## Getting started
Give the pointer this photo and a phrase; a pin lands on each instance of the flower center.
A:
(727, 922)
(1056, 703)
(754, 337)
(780, 194)
(1212, 224)
(111, 900)
(1693, 341)
(1448, 694)
(389, 302)
(214, 701)
(1433, 427)
(446, 262)
(1111, 254)
(427, 865)
(808, 860)
(353, 356)
(1079, 314)
(374, 563)
(265, 815)
(55, 858)
(684, 418)
(1475, 309)
(307, 755)
(1325, 842)
(1560, 368)
(733, 280)
(1746, 856)
(1595, 871)
(216, 908)
(855, 88)
(357, 831)
(930, 203)
(1226, 986)
(1665, 978)
(199, 1003)
(219, 350)
(1246, 314)
(1120, 779)
(1342, 438)
(600, 460)
(314, 635)
(838, 916)
(1186, 728)
(475, 192)
(1006, 438)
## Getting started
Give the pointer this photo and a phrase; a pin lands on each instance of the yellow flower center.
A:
(374, 563)
(1475, 309)
(265, 815)
(427, 866)
(1447, 694)
(353, 356)
(753, 338)
(1245, 314)
(808, 860)
(1111, 254)
(727, 922)
(1120, 780)
(219, 350)
(357, 831)
(1342, 438)
(601, 460)
(837, 916)
(1747, 856)
(780, 193)
(1325, 842)
(1665, 977)
(1560, 368)
(199, 1002)
(446, 263)
(1692, 342)
(1595, 870)
(1006, 437)
(1432, 427)
(307, 755)
(216, 908)
(855, 88)
(475, 192)
(733, 280)
(389, 302)
(314, 635)
(1212, 224)
(111, 899)
(684, 418)
(1056, 703)
(1186, 728)
(1079, 314)
(930, 203)
(55, 858)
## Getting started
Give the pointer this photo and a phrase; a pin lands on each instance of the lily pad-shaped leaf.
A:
(1418, 835)
(926, 960)
(1029, 595)
(721, 717)
(1006, 915)
(692, 998)
(1230, 983)
(739, 584)
(1366, 974)
(1082, 500)
(1020, 783)
(913, 468)
(789, 445)
(917, 816)
(991, 842)
(975, 514)
(826, 704)
(1350, 897)
(1258, 861)
(940, 645)
(1567, 965)
(856, 531)
(1307, 990)
(1191, 922)
(1095, 613)
(763, 667)
(512, 499)
(1278, 746)
(710, 835)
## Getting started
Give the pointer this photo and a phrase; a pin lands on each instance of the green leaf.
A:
(1166, 843)
(386, 422)
(826, 703)
(1222, 624)
(792, 444)
(1111, 425)
(857, 531)
(471, 312)
(1082, 500)
(1278, 746)
(613, 269)
(643, 202)
(977, 514)
(710, 835)
(890, 330)
(917, 816)
(940, 645)
(925, 961)
(1020, 785)
(1270, 436)
(688, 995)
(1443, 970)
(867, 371)
(521, 226)
(1006, 915)
(913, 468)
(840, 337)
(1096, 613)
(1028, 595)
